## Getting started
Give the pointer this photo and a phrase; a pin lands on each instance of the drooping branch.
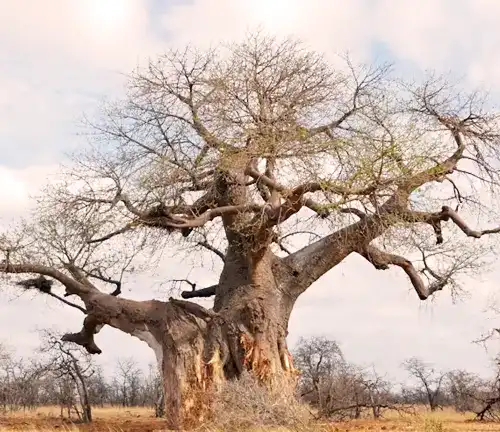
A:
(85, 337)
(381, 261)
(449, 213)
(77, 285)
(446, 214)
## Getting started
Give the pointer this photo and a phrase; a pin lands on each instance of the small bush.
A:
(433, 425)
(245, 403)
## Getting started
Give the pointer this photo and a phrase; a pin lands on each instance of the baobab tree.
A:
(235, 150)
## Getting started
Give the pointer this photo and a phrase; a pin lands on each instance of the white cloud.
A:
(19, 186)
(330, 26)
(62, 57)
(457, 37)
(103, 33)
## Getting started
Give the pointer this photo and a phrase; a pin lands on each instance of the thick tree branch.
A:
(72, 286)
(194, 309)
(44, 285)
(351, 210)
(194, 293)
(314, 260)
(169, 221)
(85, 337)
(179, 222)
(295, 198)
(381, 261)
(446, 214)
(203, 292)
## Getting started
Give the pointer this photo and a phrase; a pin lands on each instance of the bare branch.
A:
(213, 249)
(381, 261)
(195, 293)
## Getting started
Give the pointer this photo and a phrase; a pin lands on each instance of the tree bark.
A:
(198, 349)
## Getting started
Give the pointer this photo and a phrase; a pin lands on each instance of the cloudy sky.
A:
(59, 58)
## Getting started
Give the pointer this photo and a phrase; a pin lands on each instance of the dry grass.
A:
(243, 403)
(137, 419)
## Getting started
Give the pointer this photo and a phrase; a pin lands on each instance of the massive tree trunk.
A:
(198, 349)
(252, 306)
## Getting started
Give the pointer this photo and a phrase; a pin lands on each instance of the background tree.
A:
(233, 150)
(21, 379)
(317, 359)
(99, 389)
(337, 388)
(72, 368)
(465, 390)
(429, 381)
(127, 381)
(153, 391)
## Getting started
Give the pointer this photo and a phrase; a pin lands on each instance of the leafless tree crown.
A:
(245, 145)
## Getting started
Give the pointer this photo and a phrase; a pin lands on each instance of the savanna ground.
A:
(140, 419)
